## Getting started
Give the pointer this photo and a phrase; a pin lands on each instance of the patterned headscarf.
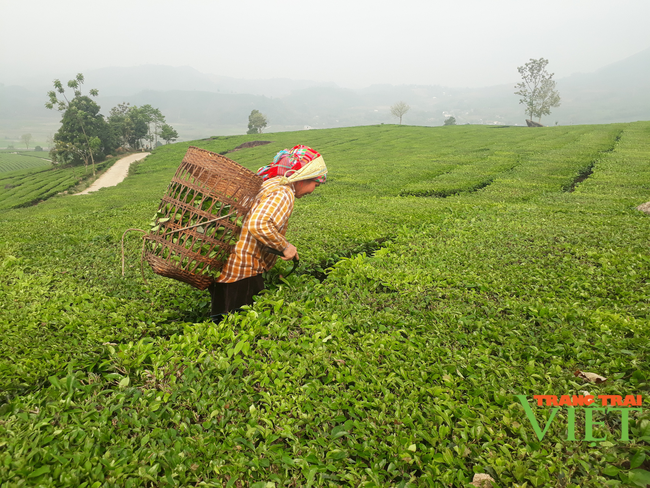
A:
(288, 163)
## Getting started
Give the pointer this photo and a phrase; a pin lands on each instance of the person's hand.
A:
(290, 252)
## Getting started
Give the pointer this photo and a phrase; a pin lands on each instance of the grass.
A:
(401, 368)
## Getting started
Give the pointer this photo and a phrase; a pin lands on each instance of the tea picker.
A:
(293, 174)
(220, 226)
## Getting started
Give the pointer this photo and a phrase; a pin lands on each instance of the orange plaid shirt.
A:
(265, 225)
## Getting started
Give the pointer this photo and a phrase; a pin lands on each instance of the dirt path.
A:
(115, 173)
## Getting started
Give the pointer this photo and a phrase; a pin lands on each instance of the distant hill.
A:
(117, 81)
(132, 80)
(619, 92)
(200, 105)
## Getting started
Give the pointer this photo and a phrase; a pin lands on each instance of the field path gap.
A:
(115, 174)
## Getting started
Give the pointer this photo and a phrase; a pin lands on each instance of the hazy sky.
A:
(353, 43)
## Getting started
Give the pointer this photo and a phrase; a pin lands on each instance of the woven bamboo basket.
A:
(200, 217)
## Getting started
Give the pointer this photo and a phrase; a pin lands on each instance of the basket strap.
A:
(202, 223)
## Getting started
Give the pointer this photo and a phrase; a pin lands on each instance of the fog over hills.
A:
(200, 105)
(130, 81)
(619, 92)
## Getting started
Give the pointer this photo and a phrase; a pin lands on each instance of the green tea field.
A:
(449, 275)
(10, 161)
(22, 188)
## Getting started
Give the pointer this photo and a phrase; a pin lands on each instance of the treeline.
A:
(86, 136)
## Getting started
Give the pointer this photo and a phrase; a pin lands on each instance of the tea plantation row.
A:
(399, 369)
(27, 160)
(26, 187)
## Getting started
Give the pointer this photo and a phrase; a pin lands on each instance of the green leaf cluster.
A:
(400, 368)
(194, 225)
(27, 187)
(16, 162)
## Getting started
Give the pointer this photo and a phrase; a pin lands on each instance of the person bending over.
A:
(293, 174)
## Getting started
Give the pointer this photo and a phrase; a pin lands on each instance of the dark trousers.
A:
(227, 297)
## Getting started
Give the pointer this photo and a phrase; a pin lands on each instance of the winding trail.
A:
(115, 173)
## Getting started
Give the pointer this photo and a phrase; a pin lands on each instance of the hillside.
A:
(133, 80)
(199, 105)
(445, 272)
(616, 93)
(24, 183)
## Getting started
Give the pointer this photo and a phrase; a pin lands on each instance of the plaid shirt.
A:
(265, 225)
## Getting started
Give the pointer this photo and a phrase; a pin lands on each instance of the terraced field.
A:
(26, 187)
(444, 272)
(21, 161)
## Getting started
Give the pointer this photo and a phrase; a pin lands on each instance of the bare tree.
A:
(26, 138)
(399, 109)
(537, 88)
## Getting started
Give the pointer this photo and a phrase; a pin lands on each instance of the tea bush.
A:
(21, 161)
(398, 369)
(29, 186)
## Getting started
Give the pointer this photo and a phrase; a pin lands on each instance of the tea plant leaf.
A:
(39, 472)
(637, 460)
(392, 357)
(640, 477)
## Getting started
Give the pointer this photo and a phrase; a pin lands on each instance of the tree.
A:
(256, 122)
(450, 121)
(120, 124)
(399, 109)
(139, 128)
(537, 88)
(26, 138)
(84, 134)
(167, 133)
(155, 119)
(81, 122)
(130, 125)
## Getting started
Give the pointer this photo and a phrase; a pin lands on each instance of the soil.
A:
(250, 144)
(645, 207)
(115, 173)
